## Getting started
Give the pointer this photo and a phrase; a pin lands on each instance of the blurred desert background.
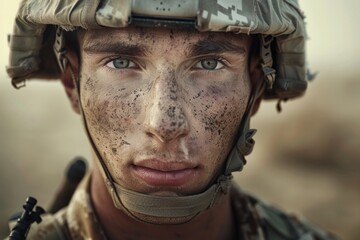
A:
(306, 159)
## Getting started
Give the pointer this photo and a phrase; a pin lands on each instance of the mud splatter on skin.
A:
(196, 113)
(114, 150)
(89, 86)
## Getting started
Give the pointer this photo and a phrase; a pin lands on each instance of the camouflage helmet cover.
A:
(31, 54)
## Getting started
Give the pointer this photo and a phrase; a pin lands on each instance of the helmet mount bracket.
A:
(59, 49)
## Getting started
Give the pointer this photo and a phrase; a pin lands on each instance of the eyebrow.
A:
(203, 47)
(209, 46)
(96, 47)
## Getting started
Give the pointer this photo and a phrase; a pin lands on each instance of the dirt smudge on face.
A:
(114, 150)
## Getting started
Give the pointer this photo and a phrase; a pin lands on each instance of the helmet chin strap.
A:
(139, 205)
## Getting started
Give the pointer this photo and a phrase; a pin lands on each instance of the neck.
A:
(214, 223)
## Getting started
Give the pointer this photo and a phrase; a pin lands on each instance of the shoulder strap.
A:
(281, 226)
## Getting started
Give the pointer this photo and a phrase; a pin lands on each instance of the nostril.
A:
(149, 134)
(158, 137)
(182, 135)
(155, 135)
(152, 135)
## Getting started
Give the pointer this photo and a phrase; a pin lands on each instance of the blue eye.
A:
(120, 63)
(209, 64)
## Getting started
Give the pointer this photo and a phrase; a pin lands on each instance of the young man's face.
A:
(163, 106)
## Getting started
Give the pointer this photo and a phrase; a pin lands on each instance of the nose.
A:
(165, 117)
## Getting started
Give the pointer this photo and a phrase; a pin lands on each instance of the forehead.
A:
(155, 37)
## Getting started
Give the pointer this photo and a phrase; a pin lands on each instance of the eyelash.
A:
(219, 59)
(112, 59)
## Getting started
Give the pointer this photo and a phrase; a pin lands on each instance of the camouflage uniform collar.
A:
(80, 215)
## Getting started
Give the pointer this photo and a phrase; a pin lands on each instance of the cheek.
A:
(217, 110)
(219, 107)
(111, 111)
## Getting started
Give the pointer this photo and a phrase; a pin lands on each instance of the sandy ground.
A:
(306, 159)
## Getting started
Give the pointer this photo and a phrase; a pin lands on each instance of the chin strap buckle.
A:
(224, 183)
(222, 186)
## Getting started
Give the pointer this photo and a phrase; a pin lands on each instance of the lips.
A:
(162, 173)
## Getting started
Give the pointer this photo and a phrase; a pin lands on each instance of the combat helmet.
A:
(37, 52)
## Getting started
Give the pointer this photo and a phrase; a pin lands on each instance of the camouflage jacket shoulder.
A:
(273, 223)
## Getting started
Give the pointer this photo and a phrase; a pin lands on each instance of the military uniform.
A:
(255, 220)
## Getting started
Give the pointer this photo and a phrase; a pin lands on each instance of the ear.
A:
(71, 71)
(256, 73)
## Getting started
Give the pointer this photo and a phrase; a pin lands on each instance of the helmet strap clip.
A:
(267, 60)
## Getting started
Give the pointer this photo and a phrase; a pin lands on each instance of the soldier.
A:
(166, 90)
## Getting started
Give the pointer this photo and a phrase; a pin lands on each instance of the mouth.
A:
(161, 173)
